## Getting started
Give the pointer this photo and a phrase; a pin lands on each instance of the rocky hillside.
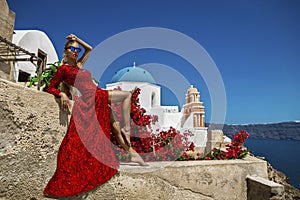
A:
(280, 131)
(279, 177)
(30, 135)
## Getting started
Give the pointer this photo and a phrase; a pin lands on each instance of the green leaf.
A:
(30, 84)
(46, 75)
(53, 67)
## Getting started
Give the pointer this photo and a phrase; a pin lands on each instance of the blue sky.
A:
(254, 44)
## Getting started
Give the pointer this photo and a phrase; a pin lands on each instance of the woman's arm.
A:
(52, 88)
(55, 81)
(87, 49)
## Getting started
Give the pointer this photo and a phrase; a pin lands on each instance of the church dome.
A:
(133, 74)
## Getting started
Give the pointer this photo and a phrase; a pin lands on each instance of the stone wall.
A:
(7, 21)
(263, 189)
(30, 135)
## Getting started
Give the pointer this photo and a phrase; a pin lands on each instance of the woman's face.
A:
(71, 51)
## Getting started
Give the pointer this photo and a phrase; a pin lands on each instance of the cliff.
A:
(279, 131)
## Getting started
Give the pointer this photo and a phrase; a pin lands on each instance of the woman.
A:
(86, 158)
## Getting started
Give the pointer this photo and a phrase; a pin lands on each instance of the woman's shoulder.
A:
(70, 66)
(63, 66)
(66, 67)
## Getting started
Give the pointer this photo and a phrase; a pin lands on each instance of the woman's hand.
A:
(71, 37)
(65, 101)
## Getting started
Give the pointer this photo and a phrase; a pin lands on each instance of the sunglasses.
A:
(74, 49)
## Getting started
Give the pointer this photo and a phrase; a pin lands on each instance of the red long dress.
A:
(86, 158)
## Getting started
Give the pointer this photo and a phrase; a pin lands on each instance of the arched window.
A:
(153, 101)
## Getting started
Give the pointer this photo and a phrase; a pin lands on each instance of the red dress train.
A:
(86, 158)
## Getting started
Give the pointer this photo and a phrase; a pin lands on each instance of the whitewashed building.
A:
(32, 40)
(191, 117)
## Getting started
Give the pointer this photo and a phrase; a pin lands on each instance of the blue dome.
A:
(133, 74)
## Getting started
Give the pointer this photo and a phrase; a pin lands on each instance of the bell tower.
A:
(194, 108)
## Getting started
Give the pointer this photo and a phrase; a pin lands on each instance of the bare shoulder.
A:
(79, 64)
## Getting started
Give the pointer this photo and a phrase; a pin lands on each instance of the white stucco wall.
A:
(150, 93)
(172, 119)
(200, 136)
(32, 40)
(189, 123)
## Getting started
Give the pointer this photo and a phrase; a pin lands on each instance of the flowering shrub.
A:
(171, 144)
(233, 151)
(151, 145)
(137, 113)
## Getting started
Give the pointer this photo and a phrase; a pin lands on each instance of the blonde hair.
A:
(65, 59)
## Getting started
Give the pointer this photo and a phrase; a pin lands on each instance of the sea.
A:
(283, 155)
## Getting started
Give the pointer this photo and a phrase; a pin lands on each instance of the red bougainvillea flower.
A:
(166, 145)
(192, 147)
(152, 145)
(234, 150)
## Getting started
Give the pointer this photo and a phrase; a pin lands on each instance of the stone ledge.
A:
(217, 179)
(262, 189)
(178, 164)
